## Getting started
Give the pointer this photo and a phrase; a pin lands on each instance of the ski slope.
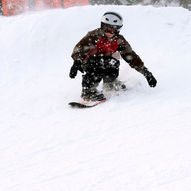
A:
(139, 140)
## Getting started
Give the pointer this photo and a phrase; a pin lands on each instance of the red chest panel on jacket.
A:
(106, 47)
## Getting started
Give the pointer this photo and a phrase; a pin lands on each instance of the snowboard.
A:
(86, 104)
(108, 92)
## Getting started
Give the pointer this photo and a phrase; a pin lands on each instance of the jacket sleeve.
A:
(82, 48)
(129, 55)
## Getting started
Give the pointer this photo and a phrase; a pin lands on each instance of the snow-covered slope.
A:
(138, 140)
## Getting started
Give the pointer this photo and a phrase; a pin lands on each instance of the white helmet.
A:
(112, 20)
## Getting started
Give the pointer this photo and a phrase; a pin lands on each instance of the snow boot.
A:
(116, 85)
(89, 94)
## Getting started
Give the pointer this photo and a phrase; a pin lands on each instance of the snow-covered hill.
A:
(139, 140)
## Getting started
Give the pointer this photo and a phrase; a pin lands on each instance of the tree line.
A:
(182, 3)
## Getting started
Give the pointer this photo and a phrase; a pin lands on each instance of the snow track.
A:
(139, 140)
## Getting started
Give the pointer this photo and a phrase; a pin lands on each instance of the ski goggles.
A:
(109, 30)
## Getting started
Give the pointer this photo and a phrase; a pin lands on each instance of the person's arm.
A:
(78, 55)
(135, 61)
(84, 46)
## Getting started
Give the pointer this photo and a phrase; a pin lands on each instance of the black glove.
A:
(74, 69)
(150, 78)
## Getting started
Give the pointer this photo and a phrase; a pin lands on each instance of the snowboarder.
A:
(97, 55)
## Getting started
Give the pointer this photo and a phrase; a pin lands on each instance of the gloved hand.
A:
(150, 78)
(75, 67)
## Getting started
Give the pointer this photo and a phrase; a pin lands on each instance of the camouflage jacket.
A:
(95, 43)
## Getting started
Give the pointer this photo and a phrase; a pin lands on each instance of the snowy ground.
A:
(137, 141)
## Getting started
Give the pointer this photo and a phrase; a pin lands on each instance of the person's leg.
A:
(111, 73)
(91, 79)
(111, 69)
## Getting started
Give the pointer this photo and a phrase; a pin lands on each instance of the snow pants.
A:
(99, 68)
